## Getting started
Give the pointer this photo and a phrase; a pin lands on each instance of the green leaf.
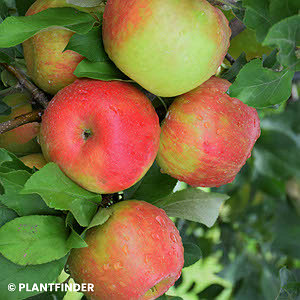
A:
(269, 283)
(85, 3)
(22, 28)
(211, 292)
(276, 152)
(12, 273)
(166, 297)
(194, 205)
(192, 253)
(101, 217)
(281, 9)
(102, 70)
(3, 10)
(26, 205)
(154, 185)
(259, 87)
(290, 284)
(231, 74)
(4, 108)
(89, 45)
(8, 79)
(60, 192)
(257, 17)
(35, 240)
(6, 214)
(13, 181)
(270, 61)
(54, 295)
(286, 234)
(9, 160)
(285, 35)
(4, 58)
(75, 240)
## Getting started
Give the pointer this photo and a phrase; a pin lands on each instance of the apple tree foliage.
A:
(247, 231)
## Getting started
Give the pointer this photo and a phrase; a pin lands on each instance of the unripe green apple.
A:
(207, 136)
(169, 47)
(21, 140)
(103, 135)
(36, 160)
(48, 65)
(136, 254)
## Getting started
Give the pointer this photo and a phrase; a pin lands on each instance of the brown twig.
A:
(34, 116)
(236, 27)
(37, 94)
(230, 58)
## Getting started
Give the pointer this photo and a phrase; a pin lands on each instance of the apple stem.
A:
(236, 27)
(37, 94)
(33, 116)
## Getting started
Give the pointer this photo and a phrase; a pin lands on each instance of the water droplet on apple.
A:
(160, 220)
(155, 236)
(125, 249)
(173, 237)
(147, 259)
(117, 266)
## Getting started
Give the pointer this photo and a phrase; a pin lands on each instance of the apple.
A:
(168, 47)
(136, 254)
(36, 160)
(207, 136)
(103, 135)
(49, 66)
(21, 140)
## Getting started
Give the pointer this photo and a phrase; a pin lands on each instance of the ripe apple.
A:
(48, 65)
(36, 160)
(169, 47)
(21, 140)
(103, 135)
(136, 254)
(207, 136)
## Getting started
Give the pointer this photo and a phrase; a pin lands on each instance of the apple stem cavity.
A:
(87, 133)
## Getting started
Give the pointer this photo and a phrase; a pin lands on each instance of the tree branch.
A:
(37, 94)
(230, 58)
(34, 116)
(236, 27)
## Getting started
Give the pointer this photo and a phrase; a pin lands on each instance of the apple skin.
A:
(48, 65)
(138, 247)
(124, 130)
(168, 47)
(207, 136)
(21, 140)
(36, 160)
